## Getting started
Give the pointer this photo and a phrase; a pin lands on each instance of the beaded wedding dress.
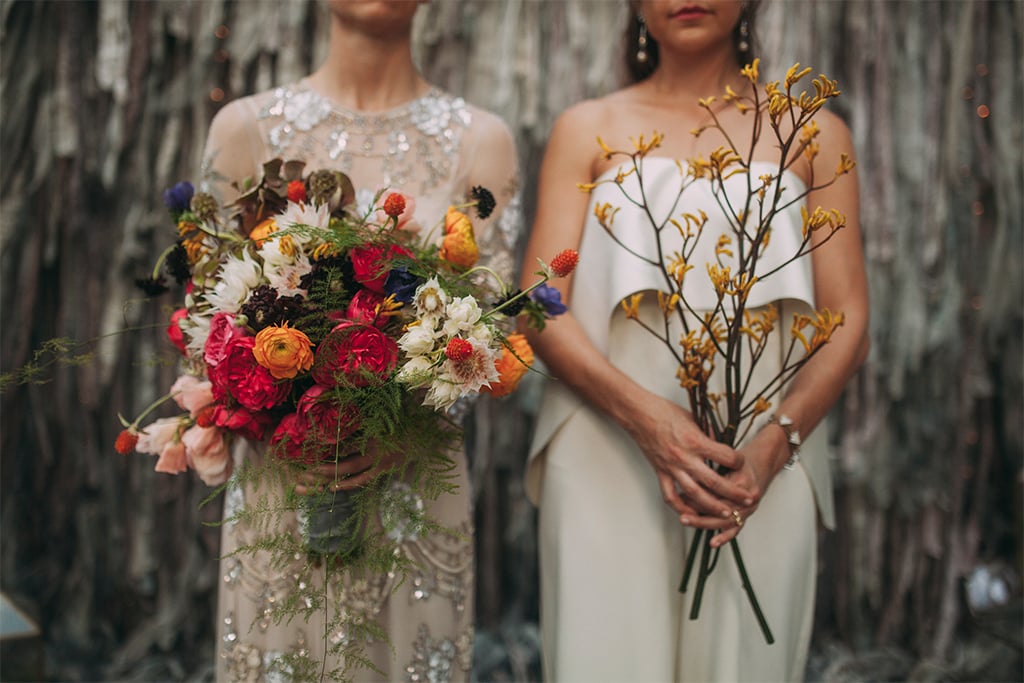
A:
(434, 148)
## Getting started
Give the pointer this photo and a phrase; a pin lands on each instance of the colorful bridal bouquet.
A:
(727, 340)
(325, 328)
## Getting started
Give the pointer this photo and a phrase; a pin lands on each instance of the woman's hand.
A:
(763, 457)
(678, 451)
(349, 472)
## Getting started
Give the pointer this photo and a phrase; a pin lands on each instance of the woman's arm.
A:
(666, 433)
(840, 284)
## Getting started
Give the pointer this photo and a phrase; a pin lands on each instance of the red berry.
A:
(126, 441)
(458, 349)
(565, 262)
(297, 191)
(394, 205)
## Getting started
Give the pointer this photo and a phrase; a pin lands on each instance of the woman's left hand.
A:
(763, 457)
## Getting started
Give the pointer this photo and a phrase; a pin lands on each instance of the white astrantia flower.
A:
(273, 256)
(417, 372)
(482, 333)
(196, 328)
(442, 394)
(461, 315)
(473, 372)
(430, 299)
(287, 280)
(418, 340)
(318, 216)
(236, 280)
(284, 272)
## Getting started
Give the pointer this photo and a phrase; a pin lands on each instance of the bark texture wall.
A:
(106, 103)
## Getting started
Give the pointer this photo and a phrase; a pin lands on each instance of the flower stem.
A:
(690, 557)
(702, 577)
(745, 579)
(520, 295)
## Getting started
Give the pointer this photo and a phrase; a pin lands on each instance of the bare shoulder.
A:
(489, 129)
(835, 134)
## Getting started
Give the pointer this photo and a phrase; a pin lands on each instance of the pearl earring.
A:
(744, 43)
(641, 42)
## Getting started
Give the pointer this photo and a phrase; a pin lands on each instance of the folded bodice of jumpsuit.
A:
(611, 269)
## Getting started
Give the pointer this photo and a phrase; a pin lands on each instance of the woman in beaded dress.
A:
(618, 466)
(368, 113)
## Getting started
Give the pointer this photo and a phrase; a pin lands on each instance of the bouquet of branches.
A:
(727, 340)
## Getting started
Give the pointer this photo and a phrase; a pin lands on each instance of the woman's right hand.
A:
(680, 453)
(347, 473)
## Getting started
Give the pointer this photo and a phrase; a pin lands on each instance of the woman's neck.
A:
(692, 76)
(368, 73)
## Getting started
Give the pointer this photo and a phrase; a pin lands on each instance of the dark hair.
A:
(638, 71)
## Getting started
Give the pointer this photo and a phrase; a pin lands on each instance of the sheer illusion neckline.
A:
(396, 112)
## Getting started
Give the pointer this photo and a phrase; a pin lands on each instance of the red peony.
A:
(325, 420)
(247, 381)
(371, 264)
(355, 354)
(363, 308)
(289, 438)
(174, 332)
(250, 424)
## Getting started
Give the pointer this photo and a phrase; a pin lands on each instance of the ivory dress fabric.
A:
(429, 148)
(611, 552)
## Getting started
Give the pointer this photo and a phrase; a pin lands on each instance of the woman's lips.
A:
(690, 12)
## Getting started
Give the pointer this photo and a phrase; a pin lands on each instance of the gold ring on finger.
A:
(737, 517)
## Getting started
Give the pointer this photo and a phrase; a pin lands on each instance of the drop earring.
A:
(744, 42)
(641, 42)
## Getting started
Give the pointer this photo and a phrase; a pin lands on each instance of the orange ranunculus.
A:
(263, 231)
(510, 368)
(459, 246)
(282, 350)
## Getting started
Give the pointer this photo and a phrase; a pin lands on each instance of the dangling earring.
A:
(641, 42)
(744, 43)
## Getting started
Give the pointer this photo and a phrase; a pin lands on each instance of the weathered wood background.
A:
(106, 103)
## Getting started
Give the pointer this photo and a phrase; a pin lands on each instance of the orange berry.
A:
(458, 349)
(565, 262)
(126, 441)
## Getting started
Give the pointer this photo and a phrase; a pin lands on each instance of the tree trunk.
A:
(107, 103)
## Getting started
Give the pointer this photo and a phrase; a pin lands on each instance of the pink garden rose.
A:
(222, 331)
(354, 353)
(240, 376)
(207, 454)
